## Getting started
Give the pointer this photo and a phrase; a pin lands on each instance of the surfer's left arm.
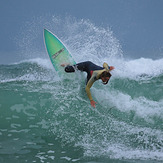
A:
(107, 67)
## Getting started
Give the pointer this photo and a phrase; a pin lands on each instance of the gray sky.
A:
(137, 24)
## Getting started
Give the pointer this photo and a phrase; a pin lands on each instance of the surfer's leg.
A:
(79, 66)
(83, 66)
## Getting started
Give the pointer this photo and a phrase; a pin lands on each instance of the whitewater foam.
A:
(142, 68)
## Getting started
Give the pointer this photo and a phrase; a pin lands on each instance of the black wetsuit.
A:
(87, 66)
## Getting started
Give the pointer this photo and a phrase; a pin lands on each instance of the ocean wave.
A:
(28, 70)
(127, 120)
(142, 68)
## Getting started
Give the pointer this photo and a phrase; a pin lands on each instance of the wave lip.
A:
(141, 68)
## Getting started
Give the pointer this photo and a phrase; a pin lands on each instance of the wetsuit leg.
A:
(83, 66)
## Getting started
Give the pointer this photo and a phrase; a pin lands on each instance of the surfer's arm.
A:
(107, 67)
(88, 86)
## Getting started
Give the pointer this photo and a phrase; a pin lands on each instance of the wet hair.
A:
(105, 74)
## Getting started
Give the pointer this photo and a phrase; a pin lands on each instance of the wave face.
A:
(45, 118)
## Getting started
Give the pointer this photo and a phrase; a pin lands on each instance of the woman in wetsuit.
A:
(94, 73)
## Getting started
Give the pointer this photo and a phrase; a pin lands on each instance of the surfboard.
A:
(57, 52)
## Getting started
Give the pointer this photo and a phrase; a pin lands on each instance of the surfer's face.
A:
(105, 79)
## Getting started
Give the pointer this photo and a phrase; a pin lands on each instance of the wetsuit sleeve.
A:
(105, 65)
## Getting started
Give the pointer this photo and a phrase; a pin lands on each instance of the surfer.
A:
(94, 73)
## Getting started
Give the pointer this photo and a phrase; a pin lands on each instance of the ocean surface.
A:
(44, 118)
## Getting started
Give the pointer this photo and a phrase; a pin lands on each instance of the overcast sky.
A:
(137, 24)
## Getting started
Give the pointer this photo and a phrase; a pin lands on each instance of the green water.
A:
(47, 119)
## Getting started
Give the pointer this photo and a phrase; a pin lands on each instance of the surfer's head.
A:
(105, 76)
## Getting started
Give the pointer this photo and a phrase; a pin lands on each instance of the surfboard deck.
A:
(57, 52)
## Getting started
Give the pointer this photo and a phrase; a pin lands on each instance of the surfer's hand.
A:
(93, 103)
(111, 68)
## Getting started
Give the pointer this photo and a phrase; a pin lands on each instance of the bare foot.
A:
(64, 64)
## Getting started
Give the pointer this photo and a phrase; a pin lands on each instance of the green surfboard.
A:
(57, 52)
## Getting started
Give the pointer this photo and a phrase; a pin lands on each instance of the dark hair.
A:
(105, 74)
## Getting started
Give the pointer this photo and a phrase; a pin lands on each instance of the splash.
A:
(84, 40)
